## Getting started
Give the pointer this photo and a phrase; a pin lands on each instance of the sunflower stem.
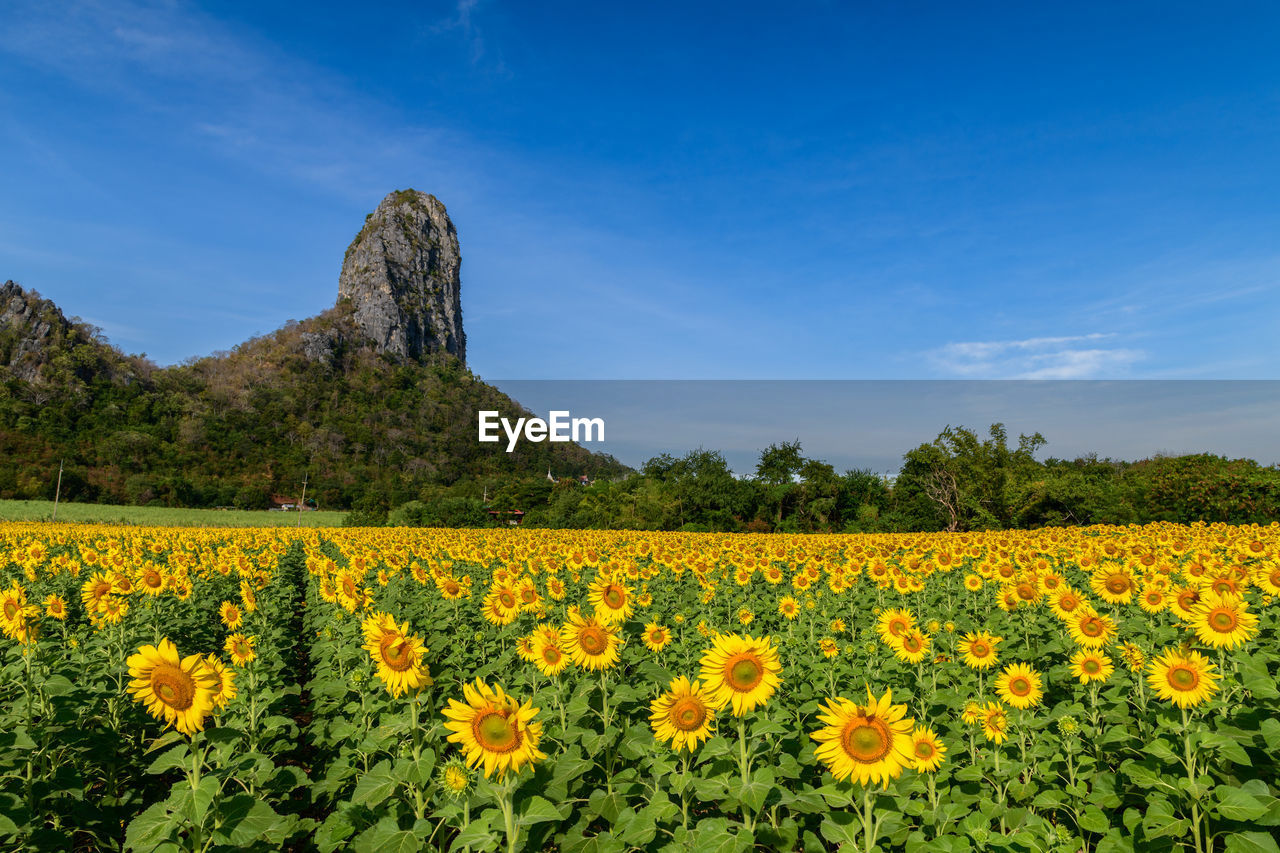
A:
(744, 762)
(868, 827)
(508, 814)
(193, 778)
(684, 790)
(604, 700)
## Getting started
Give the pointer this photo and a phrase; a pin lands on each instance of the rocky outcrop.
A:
(401, 275)
(30, 328)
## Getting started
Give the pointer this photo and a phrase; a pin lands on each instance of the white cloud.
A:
(1064, 357)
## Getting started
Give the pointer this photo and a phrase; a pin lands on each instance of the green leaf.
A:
(193, 804)
(386, 836)
(1251, 842)
(1142, 776)
(1256, 678)
(1270, 729)
(334, 832)
(538, 810)
(171, 736)
(375, 786)
(478, 835)
(842, 828)
(1094, 820)
(1161, 750)
(246, 819)
(57, 685)
(151, 827)
(1235, 804)
(178, 757)
(415, 772)
(1228, 749)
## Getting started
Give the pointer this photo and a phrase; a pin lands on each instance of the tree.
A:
(777, 469)
(973, 483)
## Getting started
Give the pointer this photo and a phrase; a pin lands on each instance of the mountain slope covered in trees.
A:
(312, 399)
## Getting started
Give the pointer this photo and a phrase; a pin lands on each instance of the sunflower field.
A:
(1067, 689)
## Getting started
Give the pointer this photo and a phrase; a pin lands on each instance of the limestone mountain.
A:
(371, 398)
(402, 276)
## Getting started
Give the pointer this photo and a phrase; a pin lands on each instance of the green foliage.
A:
(238, 427)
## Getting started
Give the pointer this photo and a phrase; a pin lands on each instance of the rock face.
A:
(401, 274)
(29, 327)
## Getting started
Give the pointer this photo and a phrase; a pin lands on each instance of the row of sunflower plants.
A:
(1102, 689)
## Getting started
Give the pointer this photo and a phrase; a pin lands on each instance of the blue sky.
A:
(808, 190)
(870, 424)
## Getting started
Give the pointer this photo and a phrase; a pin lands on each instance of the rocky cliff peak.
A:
(29, 328)
(401, 274)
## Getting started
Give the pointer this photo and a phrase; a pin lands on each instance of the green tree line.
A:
(960, 481)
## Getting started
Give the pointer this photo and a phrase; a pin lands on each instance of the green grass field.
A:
(162, 516)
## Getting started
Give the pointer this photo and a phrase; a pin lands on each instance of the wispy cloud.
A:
(1064, 357)
(463, 21)
(230, 91)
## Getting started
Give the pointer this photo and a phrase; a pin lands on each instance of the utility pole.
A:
(303, 502)
(57, 492)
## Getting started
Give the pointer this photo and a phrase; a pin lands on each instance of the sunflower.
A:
(151, 580)
(912, 646)
(972, 713)
(524, 648)
(112, 610)
(611, 599)
(176, 690)
(495, 731)
(455, 778)
(1065, 601)
(240, 649)
(837, 626)
(528, 595)
(590, 644)
(398, 656)
(867, 743)
(1267, 576)
(1223, 621)
(1185, 678)
(1133, 656)
(741, 671)
(893, 622)
(1019, 686)
(1113, 585)
(1089, 666)
(682, 716)
(979, 650)
(55, 607)
(224, 688)
(973, 582)
(1153, 599)
(995, 722)
(788, 607)
(656, 637)
(828, 647)
(501, 605)
(1090, 630)
(15, 611)
(249, 597)
(927, 750)
(93, 591)
(230, 615)
(549, 658)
